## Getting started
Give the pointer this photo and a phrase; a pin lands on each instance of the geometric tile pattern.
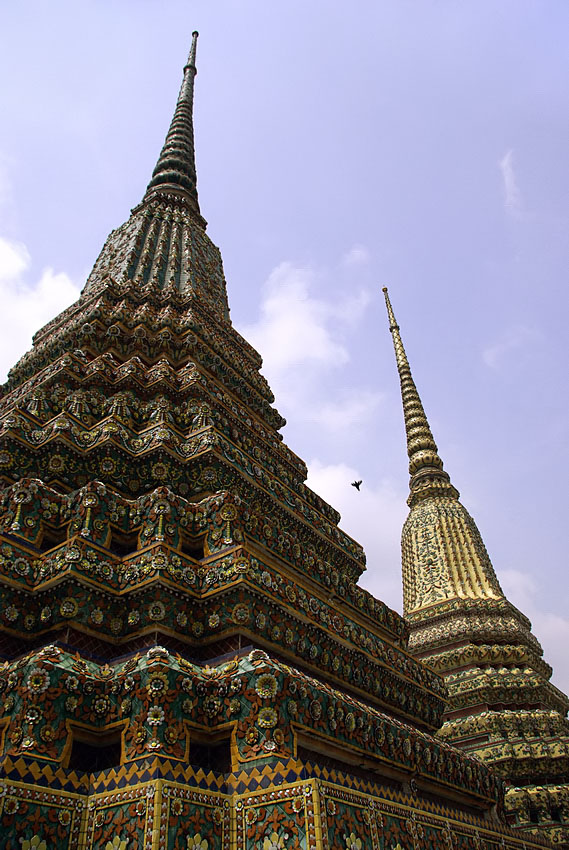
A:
(309, 814)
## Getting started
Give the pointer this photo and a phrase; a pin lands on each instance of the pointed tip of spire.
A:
(392, 323)
(191, 63)
(175, 171)
(425, 465)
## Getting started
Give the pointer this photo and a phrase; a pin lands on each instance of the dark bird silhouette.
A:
(356, 484)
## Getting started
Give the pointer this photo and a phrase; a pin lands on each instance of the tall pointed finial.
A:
(425, 466)
(175, 171)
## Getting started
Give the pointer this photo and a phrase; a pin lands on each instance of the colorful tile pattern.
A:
(187, 660)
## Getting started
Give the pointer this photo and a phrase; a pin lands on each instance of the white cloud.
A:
(550, 629)
(519, 587)
(512, 340)
(358, 255)
(302, 339)
(512, 195)
(26, 307)
(294, 326)
(354, 409)
(14, 260)
(373, 516)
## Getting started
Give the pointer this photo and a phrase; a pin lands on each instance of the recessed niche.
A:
(91, 753)
(193, 548)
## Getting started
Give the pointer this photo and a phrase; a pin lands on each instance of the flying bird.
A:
(356, 484)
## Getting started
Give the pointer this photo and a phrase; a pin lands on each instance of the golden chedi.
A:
(502, 706)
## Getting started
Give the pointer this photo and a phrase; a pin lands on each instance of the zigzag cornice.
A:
(87, 411)
(74, 371)
(66, 433)
(105, 370)
(369, 677)
(79, 407)
(220, 690)
(68, 428)
(525, 724)
(508, 686)
(123, 300)
(204, 356)
(473, 655)
(144, 328)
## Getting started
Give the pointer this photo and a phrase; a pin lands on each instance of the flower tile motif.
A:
(38, 680)
(268, 718)
(196, 842)
(273, 842)
(117, 843)
(34, 843)
(266, 686)
(353, 842)
(155, 715)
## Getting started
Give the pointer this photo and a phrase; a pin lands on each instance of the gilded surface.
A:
(502, 706)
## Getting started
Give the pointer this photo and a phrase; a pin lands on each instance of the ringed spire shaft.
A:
(425, 465)
(500, 699)
(175, 170)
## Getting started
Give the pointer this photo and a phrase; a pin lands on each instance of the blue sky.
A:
(419, 145)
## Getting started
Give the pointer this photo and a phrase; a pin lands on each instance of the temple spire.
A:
(425, 465)
(175, 171)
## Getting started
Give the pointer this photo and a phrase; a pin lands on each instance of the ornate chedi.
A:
(502, 706)
(188, 660)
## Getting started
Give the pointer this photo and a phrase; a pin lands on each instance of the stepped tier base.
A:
(246, 753)
(157, 803)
